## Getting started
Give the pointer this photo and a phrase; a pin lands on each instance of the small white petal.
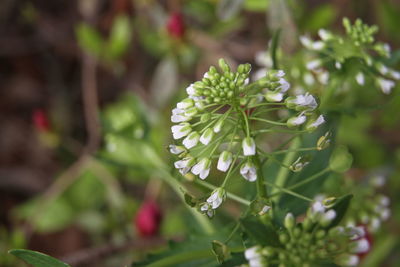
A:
(386, 85)
(206, 136)
(249, 172)
(360, 78)
(191, 140)
(224, 161)
(309, 79)
(176, 149)
(360, 246)
(249, 146)
(314, 64)
(338, 65)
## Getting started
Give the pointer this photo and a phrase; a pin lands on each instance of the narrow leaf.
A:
(37, 259)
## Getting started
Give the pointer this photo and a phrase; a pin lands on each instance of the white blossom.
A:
(191, 140)
(224, 161)
(306, 101)
(263, 58)
(184, 165)
(315, 124)
(176, 149)
(218, 126)
(190, 90)
(202, 168)
(296, 121)
(360, 78)
(324, 34)
(323, 77)
(181, 130)
(308, 79)
(249, 146)
(207, 136)
(338, 65)
(249, 171)
(186, 103)
(360, 246)
(207, 209)
(216, 198)
(395, 74)
(386, 85)
(314, 64)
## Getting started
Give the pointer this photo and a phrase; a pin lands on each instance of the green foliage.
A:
(340, 160)
(37, 259)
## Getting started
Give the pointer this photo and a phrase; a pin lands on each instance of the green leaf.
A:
(341, 160)
(220, 250)
(274, 48)
(37, 259)
(89, 39)
(322, 17)
(120, 37)
(340, 207)
(256, 5)
(260, 233)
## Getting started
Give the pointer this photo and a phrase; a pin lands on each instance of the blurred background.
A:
(86, 92)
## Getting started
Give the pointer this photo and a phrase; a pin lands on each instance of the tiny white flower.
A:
(206, 136)
(249, 171)
(328, 216)
(360, 246)
(224, 161)
(296, 121)
(338, 65)
(314, 64)
(273, 96)
(202, 168)
(395, 74)
(384, 201)
(207, 209)
(284, 85)
(360, 78)
(383, 69)
(323, 77)
(249, 146)
(206, 75)
(184, 165)
(181, 130)
(352, 260)
(184, 104)
(191, 140)
(386, 48)
(176, 118)
(315, 124)
(318, 45)
(306, 101)
(253, 252)
(385, 214)
(306, 41)
(190, 90)
(386, 85)
(263, 58)
(260, 73)
(264, 210)
(374, 225)
(308, 79)
(218, 126)
(176, 149)
(317, 207)
(324, 34)
(378, 180)
(216, 198)
(355, 232)
(246, 81)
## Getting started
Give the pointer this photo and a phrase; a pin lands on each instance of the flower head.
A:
(249, 171)
(216, 198)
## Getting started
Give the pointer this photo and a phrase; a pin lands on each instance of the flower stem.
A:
(228, 194)
(261, 189)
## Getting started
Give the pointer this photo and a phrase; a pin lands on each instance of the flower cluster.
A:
(224, 113)
(312, 241)
(356, 48)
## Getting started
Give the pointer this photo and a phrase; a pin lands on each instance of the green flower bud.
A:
(289, 221)
(205, 117)
(283, 237)
(223, 65)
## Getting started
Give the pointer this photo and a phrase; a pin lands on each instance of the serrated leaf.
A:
(340, 207)
(261, 233)
(37, 259)
(341, 160)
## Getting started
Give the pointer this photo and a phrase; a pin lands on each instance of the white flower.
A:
(384, 201)
(218, 126)
(259, 74)
(184, 165)
(318, 45)
(386, 48)
(304, 101)
(374, 225)
(338, 65)
(190, 90)
(309, 79)
(360, 78)
(263, 58)
(264, 210)
(186, 103)
(176, 149)
(216, 198)
(360, 246)
(207, 209)
(385, 214)
(324, 34)
(323, 77)
(224, 161)
(249, 147)
(395, 74)
(386, 85)
(207, 136)
(248, 171)
(306, 41)
(273, 96)
(317, 207)
(296, 121)
(350, 260)
(202, 168)
(328, 216)
(284, 85)
(191, 140)
(280, 73)
(383, 69)
(314, 64)
(315, 124)
(254, 256)
(181, 130)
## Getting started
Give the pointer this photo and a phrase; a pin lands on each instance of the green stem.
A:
(228, 194)
(287, 191)
(261, 189)
(268, 121)
(288, 159)
(310, 179)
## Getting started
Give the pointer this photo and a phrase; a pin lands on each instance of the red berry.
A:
(40, 120)
(148, 219)
(175, 25)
